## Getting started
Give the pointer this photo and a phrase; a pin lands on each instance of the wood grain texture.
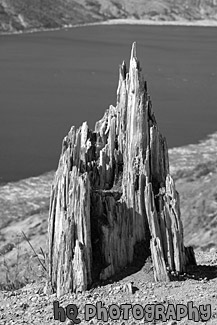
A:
(112, 191)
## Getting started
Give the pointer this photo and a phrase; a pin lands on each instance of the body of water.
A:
(52, 80)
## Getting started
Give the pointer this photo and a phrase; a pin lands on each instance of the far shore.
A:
(127, 21)
(200, 23)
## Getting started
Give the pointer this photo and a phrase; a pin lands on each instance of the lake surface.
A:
(52, 80)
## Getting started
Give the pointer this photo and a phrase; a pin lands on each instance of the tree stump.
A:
(112, 191)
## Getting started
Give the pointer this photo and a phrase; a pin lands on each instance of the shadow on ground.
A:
(199, 272)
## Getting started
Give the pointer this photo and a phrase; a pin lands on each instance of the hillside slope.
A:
(19, 15)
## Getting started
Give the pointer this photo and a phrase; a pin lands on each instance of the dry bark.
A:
(112, 193)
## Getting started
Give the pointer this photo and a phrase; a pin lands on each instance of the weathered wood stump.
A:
(112, 191)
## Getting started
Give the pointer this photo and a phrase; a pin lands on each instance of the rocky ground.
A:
(31, 305)
(21, 15)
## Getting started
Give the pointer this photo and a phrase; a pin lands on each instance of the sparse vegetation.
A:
(23, 267)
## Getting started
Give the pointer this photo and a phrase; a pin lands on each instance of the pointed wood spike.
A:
(133, 51)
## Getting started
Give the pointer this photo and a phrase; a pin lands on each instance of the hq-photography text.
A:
(149, 312)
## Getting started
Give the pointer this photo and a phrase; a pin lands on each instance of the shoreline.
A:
(127, 21)
(184, 23)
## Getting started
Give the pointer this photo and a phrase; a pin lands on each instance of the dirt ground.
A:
(31, 305)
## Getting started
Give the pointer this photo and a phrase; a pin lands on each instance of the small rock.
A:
(24, 305)
(95, 296)
(48, 290)
(34, 298)
(89, 296)
(129, 287)
(212, 250)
